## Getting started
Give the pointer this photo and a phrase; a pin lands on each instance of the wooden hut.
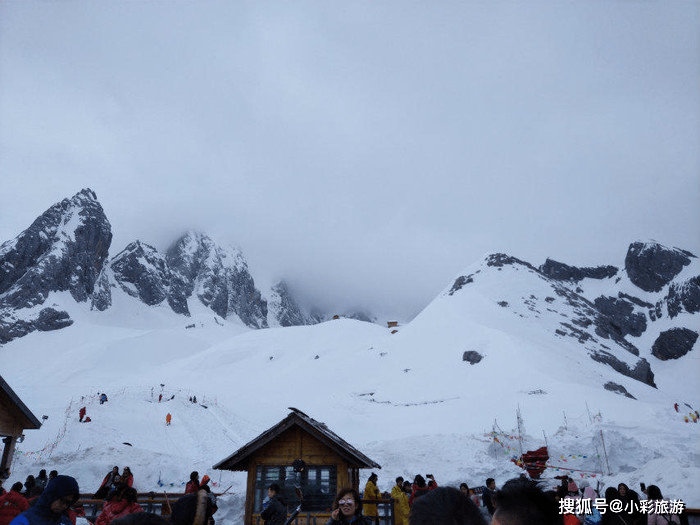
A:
(15, 417)
(297, 452)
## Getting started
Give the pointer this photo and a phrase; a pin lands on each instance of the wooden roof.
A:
(239, 459)
(15, 408)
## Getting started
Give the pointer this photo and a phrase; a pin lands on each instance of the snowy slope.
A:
(407, 400)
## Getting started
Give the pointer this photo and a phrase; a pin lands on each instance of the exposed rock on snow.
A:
(472, 357)
(218, 277)
(564, 272)
(651, 266)
(674, 343)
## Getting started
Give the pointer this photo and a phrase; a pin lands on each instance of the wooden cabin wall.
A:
(284, 449)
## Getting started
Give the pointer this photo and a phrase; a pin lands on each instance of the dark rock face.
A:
(651, 266)
(499, 260)
(618, 389)
(102, 293)
(47, 319)
(564, 272)
(622, 316)
(641, 371)
(460, 282)
(684, 296)
(143, 273)
(472, 357)
(64, 249)
(50, 319)
(674, 343)
(220, 277)
(287, 311)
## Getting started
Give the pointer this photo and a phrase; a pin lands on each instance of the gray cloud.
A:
(366, 151)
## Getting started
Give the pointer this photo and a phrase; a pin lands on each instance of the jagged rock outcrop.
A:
(564, 272)
(684, 296)
(651, 266)
(618, 389)
(64, 249)
(218, 277)
(286, 311)
(622, 315)
(143, 273)
(674, 343)
(47, 319)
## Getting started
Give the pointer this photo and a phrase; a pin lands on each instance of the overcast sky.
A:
(367, 151)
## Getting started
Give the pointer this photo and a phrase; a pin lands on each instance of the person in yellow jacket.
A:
(371, 492)
(401, 507)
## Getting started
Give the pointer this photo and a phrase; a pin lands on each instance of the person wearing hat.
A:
(275, 512)
(371, 492)
(52, 506)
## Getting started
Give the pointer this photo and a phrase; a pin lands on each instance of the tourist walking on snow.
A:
(168, 418)
(81, 413)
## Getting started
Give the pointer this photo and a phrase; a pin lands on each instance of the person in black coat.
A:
(487, 495)
(445, 506)
(275, 512)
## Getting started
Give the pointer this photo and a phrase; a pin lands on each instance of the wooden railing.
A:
(155, 502)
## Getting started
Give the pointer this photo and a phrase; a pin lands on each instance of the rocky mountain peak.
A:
(64, 249)
(651, 266)
(219, 277)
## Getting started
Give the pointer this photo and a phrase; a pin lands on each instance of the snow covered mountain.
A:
(67, 249)
(612, 313)
(588, 356)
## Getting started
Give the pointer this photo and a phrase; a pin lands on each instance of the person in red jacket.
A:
(124, 503)
(192, 486)
(127, 477)
(12, 504)
(106, 483)
(82, 413)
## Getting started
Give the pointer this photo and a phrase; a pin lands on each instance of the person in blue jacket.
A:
(52, 506)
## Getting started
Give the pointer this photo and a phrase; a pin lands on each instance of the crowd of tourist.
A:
(53, 499)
